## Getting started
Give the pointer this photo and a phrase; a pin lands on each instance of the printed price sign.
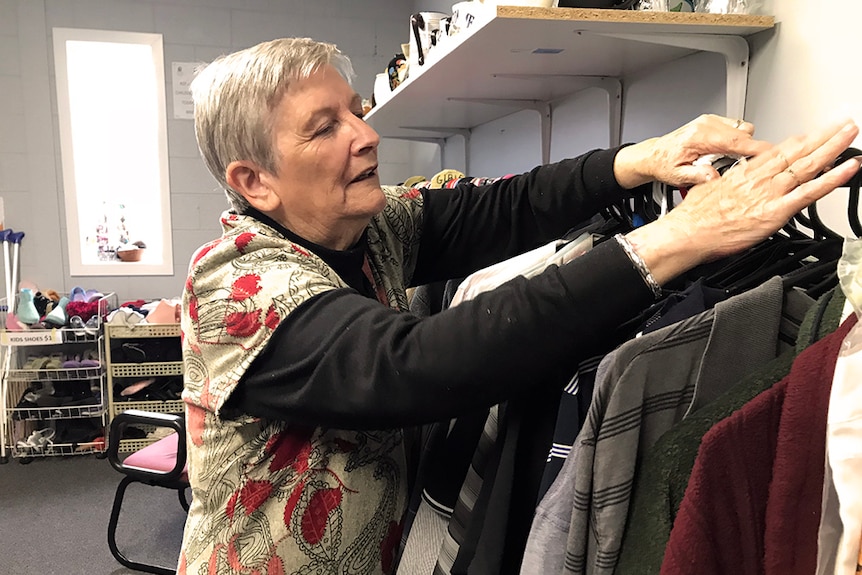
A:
(41, 337)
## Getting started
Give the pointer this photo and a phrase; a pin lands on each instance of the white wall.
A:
(193, 30)
(802, 75)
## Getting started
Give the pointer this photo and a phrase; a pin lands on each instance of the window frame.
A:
(77, 267)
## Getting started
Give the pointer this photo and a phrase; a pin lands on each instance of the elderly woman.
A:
(302, 369)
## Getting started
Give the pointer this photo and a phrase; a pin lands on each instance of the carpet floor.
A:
(54, 515)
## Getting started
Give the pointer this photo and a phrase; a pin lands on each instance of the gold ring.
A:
(738, 123)
(793, 175)
(783, 158)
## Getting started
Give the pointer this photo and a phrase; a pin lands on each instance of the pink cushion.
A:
(160, 456)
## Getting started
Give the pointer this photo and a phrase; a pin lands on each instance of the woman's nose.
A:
(366, 136)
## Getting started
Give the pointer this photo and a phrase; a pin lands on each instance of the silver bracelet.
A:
(640, 265)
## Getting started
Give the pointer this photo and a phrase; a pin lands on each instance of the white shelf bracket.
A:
(612, 86)
(544, 110)
(465, 133)
(734, 49)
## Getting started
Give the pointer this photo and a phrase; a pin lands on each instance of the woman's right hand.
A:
(749, 203)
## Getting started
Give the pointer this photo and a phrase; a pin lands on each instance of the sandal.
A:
(90, 359)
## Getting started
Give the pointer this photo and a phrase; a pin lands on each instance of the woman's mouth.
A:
(365, 175)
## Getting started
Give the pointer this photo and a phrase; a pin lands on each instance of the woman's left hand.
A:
(670, 158)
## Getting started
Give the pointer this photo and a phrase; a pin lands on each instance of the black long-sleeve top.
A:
(343, 360)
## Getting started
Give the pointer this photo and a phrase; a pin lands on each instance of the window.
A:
(113, 143)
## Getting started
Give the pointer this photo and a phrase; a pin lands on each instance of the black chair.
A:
(160, 464)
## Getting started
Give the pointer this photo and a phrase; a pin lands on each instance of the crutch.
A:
(7, 356)
(15, 238)
(7, 236)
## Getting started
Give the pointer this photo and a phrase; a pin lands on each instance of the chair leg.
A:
(112, 535)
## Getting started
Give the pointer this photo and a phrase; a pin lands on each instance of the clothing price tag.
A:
(40, 337)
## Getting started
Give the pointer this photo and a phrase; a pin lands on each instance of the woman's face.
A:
(327, 162)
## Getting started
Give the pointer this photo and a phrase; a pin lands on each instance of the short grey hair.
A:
(235, 95)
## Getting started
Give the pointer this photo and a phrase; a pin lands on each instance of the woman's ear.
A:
(251, 181)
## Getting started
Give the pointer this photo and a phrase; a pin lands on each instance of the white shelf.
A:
(493, 69)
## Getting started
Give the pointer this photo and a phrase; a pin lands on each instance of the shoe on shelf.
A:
(26, 310)
(35, 362)
(92, 325)
(77, 325)
(54, 362)
(77, 294)
(43, 303)
(41, 440)
(90, 359)
(57, 316)
(92, 295)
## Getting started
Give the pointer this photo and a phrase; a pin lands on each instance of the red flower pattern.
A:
(242, 323)
(316, 516)
(245, 287)
(299, 250)
(195, 423)
(242, 241)
(230, 509)
(272, 318)
(204, 251)
(275, 566)
(253, 494)
(288, 445)
(292, 501)
(193, 308)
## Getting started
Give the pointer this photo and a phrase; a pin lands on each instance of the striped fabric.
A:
(459, 524)
(642, 389)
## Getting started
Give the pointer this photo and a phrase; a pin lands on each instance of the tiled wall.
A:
(193, 30)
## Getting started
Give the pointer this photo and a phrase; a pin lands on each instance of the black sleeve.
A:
(471, 227)
(343, 360)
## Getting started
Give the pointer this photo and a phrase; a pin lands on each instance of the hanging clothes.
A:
(446, 532)
(649, 384)
(844, 452)
(841, 518)
(666, 468)
(757, 469)
(577, 395)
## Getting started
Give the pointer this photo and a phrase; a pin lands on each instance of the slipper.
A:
(90, 359)
(39, 440)
(92, 295)
(57, 316)
(93, 325)
(35, 362)
(54, 362)
(77, 294)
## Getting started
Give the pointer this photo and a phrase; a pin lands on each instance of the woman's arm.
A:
(471, 227)
(345, 361)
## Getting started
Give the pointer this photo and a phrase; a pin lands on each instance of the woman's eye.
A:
(328, 128)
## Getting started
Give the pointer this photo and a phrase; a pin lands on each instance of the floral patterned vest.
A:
(271, 497)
